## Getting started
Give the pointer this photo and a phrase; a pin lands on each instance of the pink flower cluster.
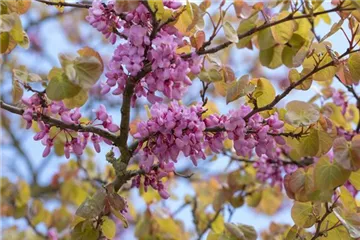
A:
(169, 69)
(173, 129)
(104, 19)
(75, 142)
(153, 174)
(255, 133)
(271, 170)
(339, 98)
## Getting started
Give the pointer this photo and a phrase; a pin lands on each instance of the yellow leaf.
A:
(264, 92)
(283, 32)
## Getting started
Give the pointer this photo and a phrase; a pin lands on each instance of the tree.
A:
(148, 118)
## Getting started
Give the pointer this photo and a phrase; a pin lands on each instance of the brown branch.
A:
(21, 151)
(33, 227)
(290, 17)
(65, 4)
(295, 84)
(58, 123)
(208, 226)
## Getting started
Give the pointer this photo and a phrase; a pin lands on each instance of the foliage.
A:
(276, 147)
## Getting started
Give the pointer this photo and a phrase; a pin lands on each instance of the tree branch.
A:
(294, 85)
(208, 226)
(291, 17)
(58, 123)
(17, 145)
(65, 4)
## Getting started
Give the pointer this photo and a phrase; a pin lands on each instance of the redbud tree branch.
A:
(60, 124)
(65, 4)
(290, 17)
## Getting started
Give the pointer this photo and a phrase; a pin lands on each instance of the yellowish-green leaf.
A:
(230, 33)
(23, 193)
(283, 32)
(329, 175)
(108, 227)
(335, 114)
(264, 92)
(211, 75)
(271, 57)
(82, 71)
(60, 87)
(323, 75)
(301, 113)
(354, 66)
(265, 39)
(239, 89)
(18, 33)
(302, 214)
(4, 42)
(355, 179)
(77, 101)
(244, 26)
(84, 231)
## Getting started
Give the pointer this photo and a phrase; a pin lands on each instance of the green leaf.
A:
(283, 32)
(244, 26)
(355, 179)
(60, 87)
(82, 71)
(295, 76)
(295, 51)
(77, 101)
(108, 227)
(354, 66)
(84, 231)
(92, 207)
(18, 33)
(271, 57)
(4, 42)
(211, 75)
(301, 113)
(23, 193)
(72, 192)
(230, 33)
(329, 175)
(239, 88)
(302, 214)
(265, 39)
